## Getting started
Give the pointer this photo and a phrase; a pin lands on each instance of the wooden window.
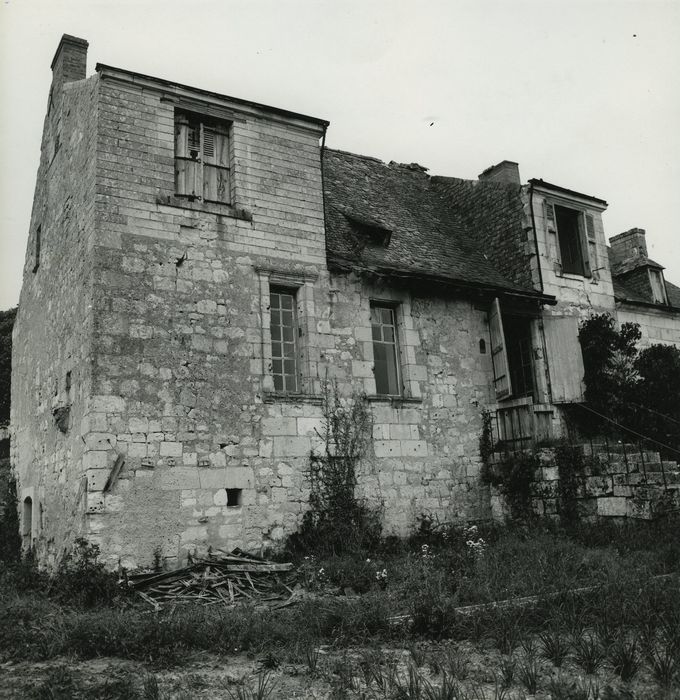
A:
(576, 238)
(27, 523)
(202, 158)
(385, 350)
(570, 235)
(520, 355)
(284, 336)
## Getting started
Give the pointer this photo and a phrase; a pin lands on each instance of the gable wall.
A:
(52, 333)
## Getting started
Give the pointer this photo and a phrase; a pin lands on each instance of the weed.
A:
(528, 673)
(312, 653)
(588, 653)
(408, 686)
(263, 689)
(624, 657)
(58, 685)
(554, 647)
(270, 660)
(664, 662)
(508, 668)
(418, 655)
(457, 663)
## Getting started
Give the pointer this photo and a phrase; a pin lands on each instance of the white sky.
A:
(583, 94)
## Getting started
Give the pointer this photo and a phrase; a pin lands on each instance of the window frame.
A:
(186, 122)
(393, 308)
(280, 290)
(586, 240)
(307, 351)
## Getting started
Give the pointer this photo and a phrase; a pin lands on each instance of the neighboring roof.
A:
(102, 67)
(625, 290)
(537, 182)
(427, 235)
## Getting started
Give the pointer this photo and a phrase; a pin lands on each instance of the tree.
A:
(6, 326)
(658, 394)
(610, 372)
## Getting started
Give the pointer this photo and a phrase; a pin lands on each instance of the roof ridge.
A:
(356, 155)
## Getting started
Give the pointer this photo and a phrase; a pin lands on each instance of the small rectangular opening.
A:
(234, 497)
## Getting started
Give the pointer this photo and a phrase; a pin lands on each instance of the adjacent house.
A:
(200, 266)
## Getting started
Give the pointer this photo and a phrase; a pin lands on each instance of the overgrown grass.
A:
(624, 620)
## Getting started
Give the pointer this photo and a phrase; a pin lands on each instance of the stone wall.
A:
(613, 480)
(656, 325)
(53, 331)
(182, 386)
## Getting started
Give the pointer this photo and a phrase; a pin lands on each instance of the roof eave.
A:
(179, 88)
(347, 265)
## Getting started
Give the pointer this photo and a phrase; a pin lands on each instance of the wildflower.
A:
(368, 561)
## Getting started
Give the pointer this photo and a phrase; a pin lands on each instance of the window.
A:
(575, 238)
(284, 335)
(27, 523)
(658, 287)
(202, 158)
(520, 355)
(385, 350)
(36, 250)
(234, 497)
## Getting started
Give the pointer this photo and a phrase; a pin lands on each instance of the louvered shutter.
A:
(215, 165)
(591, 243)
(584, 245)
(499, 355)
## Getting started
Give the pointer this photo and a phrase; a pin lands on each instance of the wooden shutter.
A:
(215, 165)
(591, 244)
(187, 151)
(564, 359)
(584, 244)
(499, 355)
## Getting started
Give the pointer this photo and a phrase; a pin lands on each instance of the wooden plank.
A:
(115, 471)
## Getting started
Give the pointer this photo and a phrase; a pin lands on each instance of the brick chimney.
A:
(506, 171)
(69, 62)
(629, 246)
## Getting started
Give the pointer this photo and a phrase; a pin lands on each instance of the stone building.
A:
(200, 266)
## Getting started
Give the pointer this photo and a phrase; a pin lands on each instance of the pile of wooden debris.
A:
(225, 579)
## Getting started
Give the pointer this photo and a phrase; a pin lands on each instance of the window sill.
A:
(393, 400)
(209, 207)
(284, 397)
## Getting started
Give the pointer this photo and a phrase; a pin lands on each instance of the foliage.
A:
(639, 390)
(658, 394)
(7, 319)
(609, 368)
(513, 477)
(337, 520)
(10, 541)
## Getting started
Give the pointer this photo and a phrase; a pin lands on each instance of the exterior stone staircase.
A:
(616, 481)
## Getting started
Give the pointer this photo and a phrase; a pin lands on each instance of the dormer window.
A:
(369, 233)
(658, 286)
(576, 240)
(202, 158)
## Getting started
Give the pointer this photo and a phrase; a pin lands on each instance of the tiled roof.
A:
(626, 290)
(427, 233)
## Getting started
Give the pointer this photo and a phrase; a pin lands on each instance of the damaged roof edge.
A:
(348, 265)
(537, 182)
(102, 68)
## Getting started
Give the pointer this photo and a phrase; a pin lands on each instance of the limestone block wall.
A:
(656, 325)
(53, 331)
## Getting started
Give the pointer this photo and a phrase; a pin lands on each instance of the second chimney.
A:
(629, 245)
(506, 171)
